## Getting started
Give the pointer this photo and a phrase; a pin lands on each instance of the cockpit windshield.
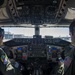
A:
(20, 32)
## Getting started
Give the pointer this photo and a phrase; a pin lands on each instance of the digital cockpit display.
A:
(19, 48)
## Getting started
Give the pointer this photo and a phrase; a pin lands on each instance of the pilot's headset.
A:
(1, 32)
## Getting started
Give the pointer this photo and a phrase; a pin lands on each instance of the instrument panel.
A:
(36, 50)
(27, 52)
(31, 51)
(36, 41)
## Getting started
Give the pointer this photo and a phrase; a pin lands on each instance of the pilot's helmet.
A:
(1, 32)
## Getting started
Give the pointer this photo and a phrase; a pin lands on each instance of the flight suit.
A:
(69, 61)
(15, 67)
(5, 65)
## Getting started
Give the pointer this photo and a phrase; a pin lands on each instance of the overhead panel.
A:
(37, 11)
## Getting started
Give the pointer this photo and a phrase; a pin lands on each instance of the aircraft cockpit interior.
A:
(36, 55)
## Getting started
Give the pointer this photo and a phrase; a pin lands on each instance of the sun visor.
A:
(3, 14)
(70, 13)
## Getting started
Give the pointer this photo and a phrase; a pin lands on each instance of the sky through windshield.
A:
(55, 32)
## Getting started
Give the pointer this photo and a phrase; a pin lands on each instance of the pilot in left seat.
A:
(6, 67)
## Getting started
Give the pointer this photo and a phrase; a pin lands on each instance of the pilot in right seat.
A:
(69, 61)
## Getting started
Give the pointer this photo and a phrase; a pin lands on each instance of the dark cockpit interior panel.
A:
(29, 13)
